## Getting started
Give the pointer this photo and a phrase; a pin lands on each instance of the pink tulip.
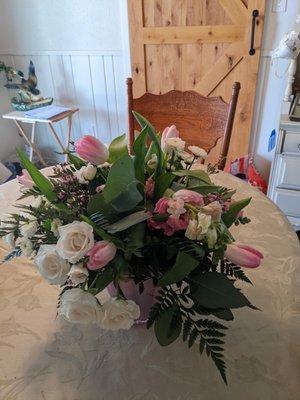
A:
(169, 132)
(189, 196)
(101, 254)
(92, 150)
(25, 179)
(149, 187)
(244, 256)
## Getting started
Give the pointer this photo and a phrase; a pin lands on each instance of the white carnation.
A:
(119, 314)
(174, 144)
(78, 273)
(211, 237)
(26, 246)
(27, 230)
(51, 266)
(197, 151)
(198, 227)
(213, 209)
(75, 240)
(78, 306)
(86, 174)
(55, 224)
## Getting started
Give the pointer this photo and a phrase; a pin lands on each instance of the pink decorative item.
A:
(243, 255)
(144, 300)
(92, 150)
(101, 254)
(169, 132)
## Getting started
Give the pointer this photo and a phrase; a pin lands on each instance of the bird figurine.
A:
(28, 85)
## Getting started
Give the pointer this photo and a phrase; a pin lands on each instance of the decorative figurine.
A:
(28, 96)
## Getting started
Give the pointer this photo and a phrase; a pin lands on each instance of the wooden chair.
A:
(200, 120)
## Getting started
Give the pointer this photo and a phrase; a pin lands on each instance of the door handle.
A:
(255, 14)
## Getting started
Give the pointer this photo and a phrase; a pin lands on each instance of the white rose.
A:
(55, 224)
(204, 222)
(213, 209)
(79, 175)
(174, 144)
(51, 266)
(89, 172)
(197, 151)
(78, 273)
(192, 229)
(26, 246)
(29, 229)
(79, 307)
(75, 240)
(86, 174)
(119, 314)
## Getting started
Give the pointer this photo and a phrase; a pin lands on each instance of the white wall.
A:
(80, 51)
(271, 81)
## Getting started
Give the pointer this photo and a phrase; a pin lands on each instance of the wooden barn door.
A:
(200, 45)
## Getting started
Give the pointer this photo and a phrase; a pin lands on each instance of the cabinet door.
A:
(288, 201)
(288, 175)
(200, 45)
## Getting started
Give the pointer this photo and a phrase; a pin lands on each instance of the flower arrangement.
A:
(134, 224)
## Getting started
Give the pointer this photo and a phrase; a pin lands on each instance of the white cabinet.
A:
(284, 185)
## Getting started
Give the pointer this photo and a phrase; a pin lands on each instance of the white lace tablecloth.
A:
(43, 358)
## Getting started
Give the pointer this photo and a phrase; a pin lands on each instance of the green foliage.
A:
(165, 299)
(198, 174)
(76, 161)
(121, 186)
(128, 221)
(163, 323)
(162, 183)
(214, 290)
(98, 205)
(152, 134)
(117, 149)
(228, 268)
(184, 264)
(230, 216)
(140, 151)
(102, 280)
(189, 247)
(102, 233)
(38, 178)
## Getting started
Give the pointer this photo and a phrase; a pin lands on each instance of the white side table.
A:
(19, 117)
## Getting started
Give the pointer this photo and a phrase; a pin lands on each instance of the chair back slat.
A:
(201, 121)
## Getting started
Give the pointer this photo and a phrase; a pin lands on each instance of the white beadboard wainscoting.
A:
(92, 81)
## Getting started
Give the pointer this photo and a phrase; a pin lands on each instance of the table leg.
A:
(69, 135)
(32, 145)
(56, 137)
(32, 141)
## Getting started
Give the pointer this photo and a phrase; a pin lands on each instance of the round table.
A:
(44, 358)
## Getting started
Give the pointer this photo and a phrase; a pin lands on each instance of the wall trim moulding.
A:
(62, 53)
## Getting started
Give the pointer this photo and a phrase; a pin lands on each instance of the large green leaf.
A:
(162, 327)
(184, 264)
(121, 186)
(205, 189)
(162, 183)
(140, 151)
(38, 178)
(102, 233)
(214, 290)
(152, 134)
(196, 173)
(102, 280)
(128, 221)
(117, 148)
(76, 161)
(230, 216)
(97, 204)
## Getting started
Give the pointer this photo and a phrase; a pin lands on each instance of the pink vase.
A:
(144, 300)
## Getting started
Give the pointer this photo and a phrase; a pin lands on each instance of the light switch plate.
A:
(279, 6)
